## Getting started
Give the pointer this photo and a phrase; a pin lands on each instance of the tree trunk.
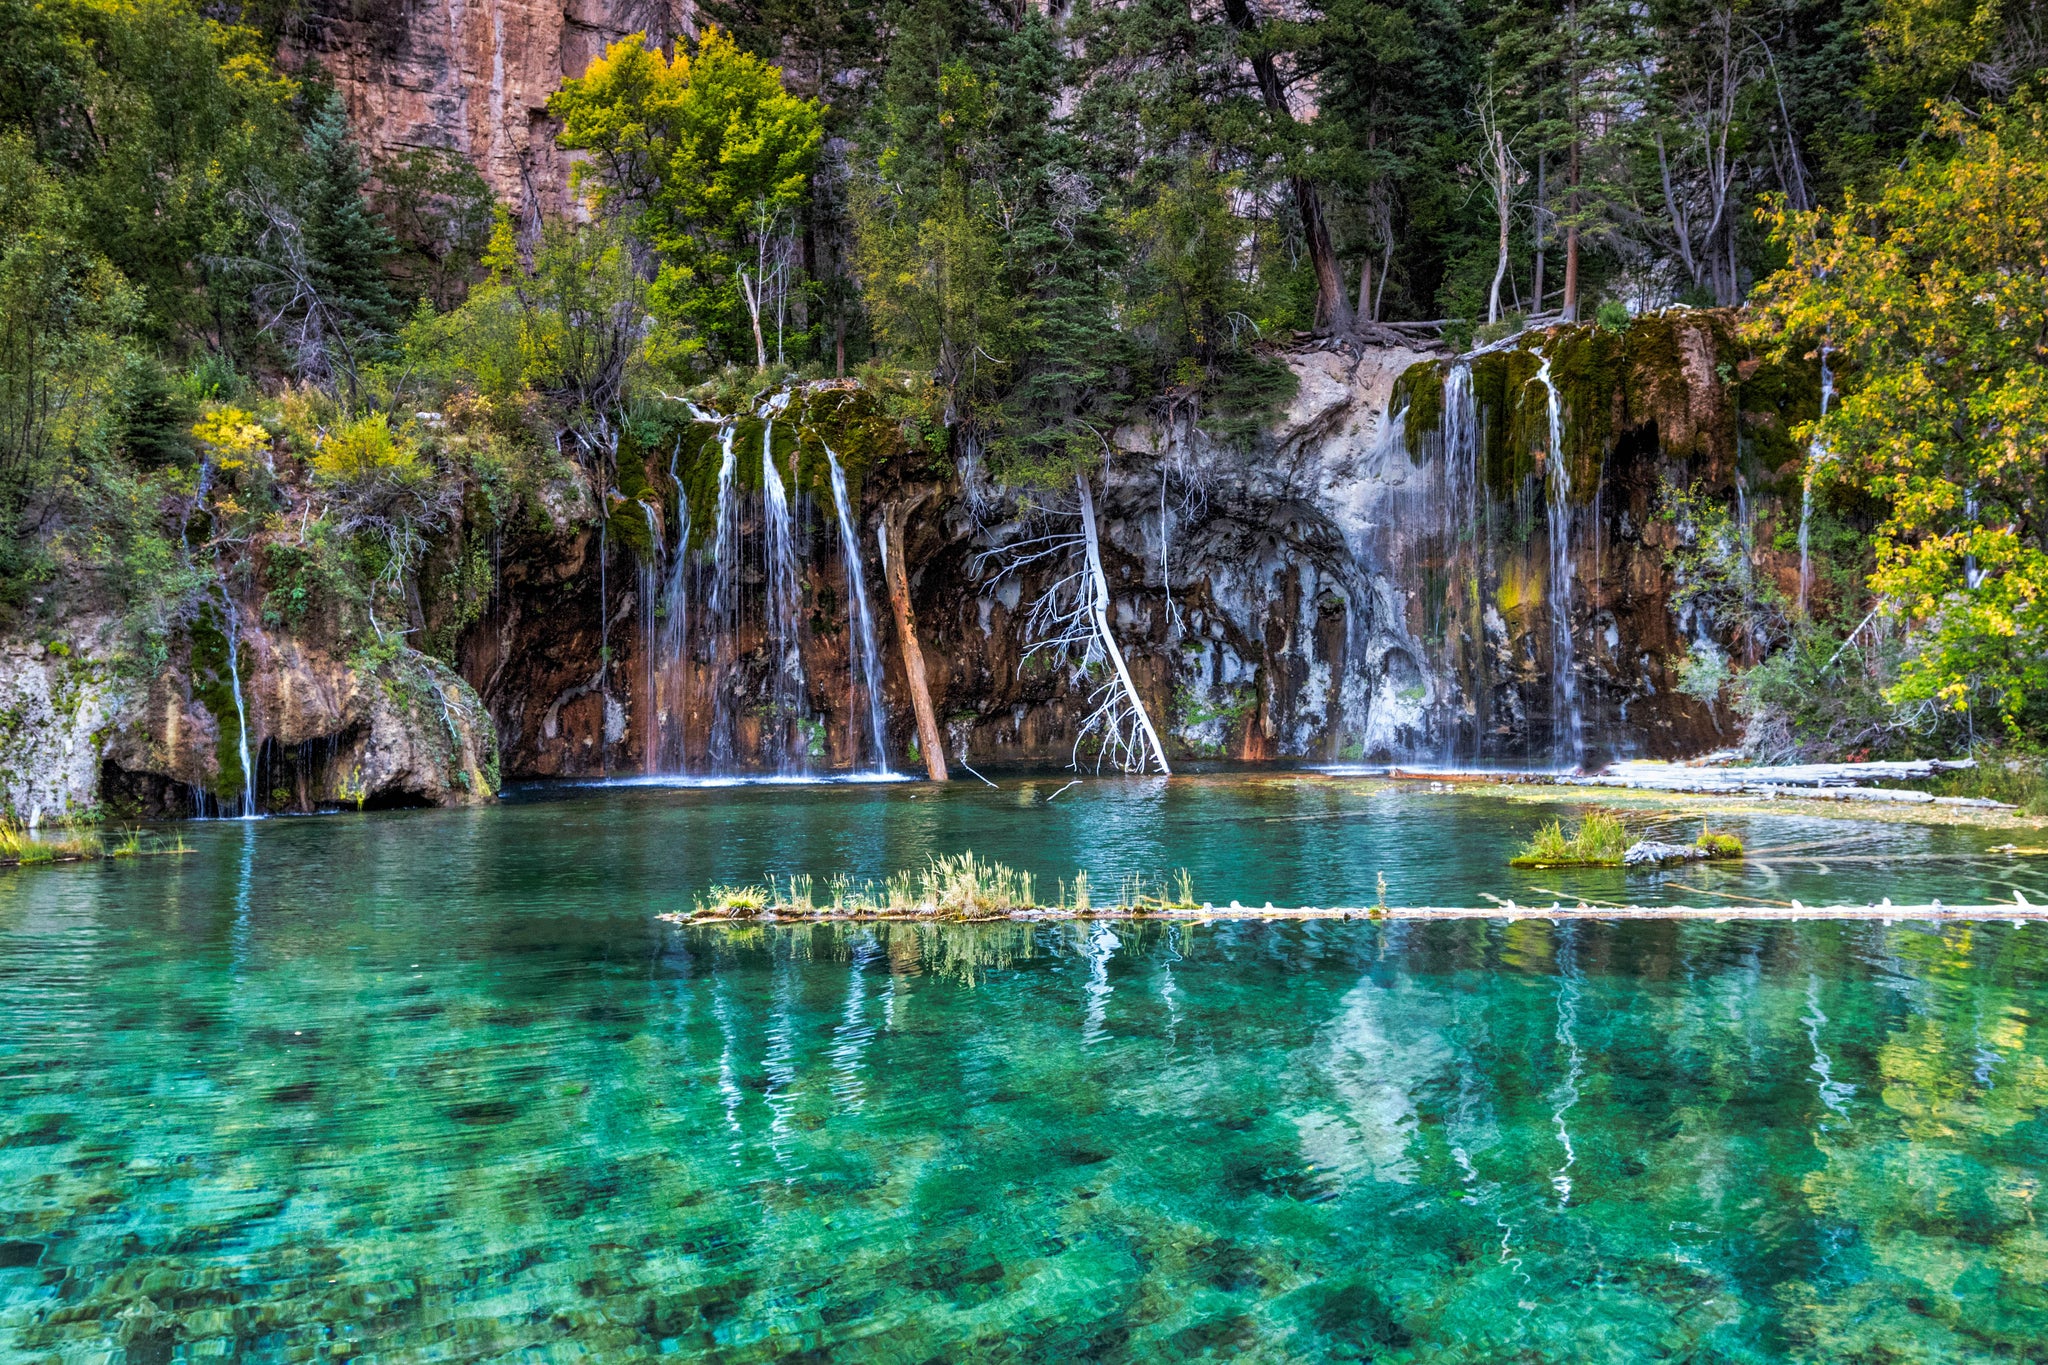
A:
(1099, 610)
(896, 570)
(1542, 202)
(1331, 306)
(1570, 307)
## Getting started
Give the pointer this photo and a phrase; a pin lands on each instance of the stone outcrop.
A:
(82, 736)
(57, 707)
(325, 732)
(471, 76)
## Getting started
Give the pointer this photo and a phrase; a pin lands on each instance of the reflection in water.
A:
(1566, 1094)
(466, 1112)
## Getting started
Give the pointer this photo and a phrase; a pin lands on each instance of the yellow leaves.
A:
(368, 451)
(232, 435)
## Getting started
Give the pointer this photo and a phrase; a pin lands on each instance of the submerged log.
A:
(1884, 912)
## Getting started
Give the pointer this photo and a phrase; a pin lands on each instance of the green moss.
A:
(213, 688)
(1719, 845)
(1420, 390)
(1514, 419)
(1589, 367)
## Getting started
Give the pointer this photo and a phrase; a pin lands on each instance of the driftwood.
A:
(1807, 781)
(894, 568)
(1884, 912)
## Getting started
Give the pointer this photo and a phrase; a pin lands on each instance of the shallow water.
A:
(436, 1086)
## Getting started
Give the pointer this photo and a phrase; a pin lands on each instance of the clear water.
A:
(437, 1086)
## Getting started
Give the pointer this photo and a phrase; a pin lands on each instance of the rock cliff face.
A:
(1355, 586)
(472, 76)
(81, 736)
(1420, 561)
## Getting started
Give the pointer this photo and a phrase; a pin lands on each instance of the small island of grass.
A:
(1602, 841)
(958, 888)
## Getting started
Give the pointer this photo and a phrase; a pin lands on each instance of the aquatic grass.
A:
(22, 848)
(956, 887)
(1600, 841)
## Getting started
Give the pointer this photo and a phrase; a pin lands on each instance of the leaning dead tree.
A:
(1070, 619)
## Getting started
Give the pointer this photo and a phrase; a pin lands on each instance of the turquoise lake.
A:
(438, 1086)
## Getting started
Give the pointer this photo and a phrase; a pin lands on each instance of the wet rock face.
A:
(1344, 590)
(55, 707)
(325, 732)
(1341, 592)
(472, 76)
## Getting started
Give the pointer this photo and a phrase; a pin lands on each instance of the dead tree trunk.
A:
(897, 571)
(1099, 613)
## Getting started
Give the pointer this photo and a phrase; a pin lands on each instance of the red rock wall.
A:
(472, 76)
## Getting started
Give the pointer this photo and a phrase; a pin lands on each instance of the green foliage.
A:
(440, 211)
(570, 323)
(62, 308)
(1930, 295)
(1599, 841)
(710, 158)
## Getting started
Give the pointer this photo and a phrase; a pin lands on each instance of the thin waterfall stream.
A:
(784, 613)
(1814, 454)
(861, 620)
(234, 634)
(1567, 725)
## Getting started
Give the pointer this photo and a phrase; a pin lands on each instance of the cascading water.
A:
(722, 602)
(649, 601)
(1567, 725)
(1460, 523)
(785, 589)
(1813, 457)
(714, 648)
(669, 643)
(860, 621)
(247, 807)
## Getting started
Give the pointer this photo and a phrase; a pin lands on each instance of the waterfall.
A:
(650, 596)
(1463, 535)
(666, 659)
(860, 621)
(1813, 457)
(785, 589)
(234, 634)
(722, 604)
(1567, 726)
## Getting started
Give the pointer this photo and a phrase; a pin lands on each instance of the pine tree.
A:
(348, 248)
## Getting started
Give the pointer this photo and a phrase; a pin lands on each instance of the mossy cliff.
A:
(1352, 584)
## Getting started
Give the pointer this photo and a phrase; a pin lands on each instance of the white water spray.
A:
(1567, 725)
(860, 620)
(785, 589)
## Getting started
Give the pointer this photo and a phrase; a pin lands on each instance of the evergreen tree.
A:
(349, 249)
